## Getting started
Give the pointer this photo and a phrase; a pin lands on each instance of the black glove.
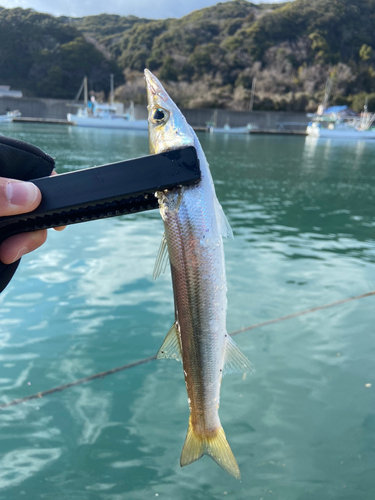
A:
(22, 161)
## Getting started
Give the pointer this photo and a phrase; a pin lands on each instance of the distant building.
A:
(6, 92)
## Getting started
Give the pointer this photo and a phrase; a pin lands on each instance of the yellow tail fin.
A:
(216, 446)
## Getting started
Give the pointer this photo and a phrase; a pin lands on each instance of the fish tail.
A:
(215, 445)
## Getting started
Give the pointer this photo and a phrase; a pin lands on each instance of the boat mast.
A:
(131, 111)
(327, 93)
(367, 118)
(85, 91)
(112, 90)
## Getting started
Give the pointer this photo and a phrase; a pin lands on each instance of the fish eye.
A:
(159, 116)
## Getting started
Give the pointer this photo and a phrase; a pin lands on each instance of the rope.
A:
(152, 358)
(301, 313)
(60, 388)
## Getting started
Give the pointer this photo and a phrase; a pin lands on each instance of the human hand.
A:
(18, 197)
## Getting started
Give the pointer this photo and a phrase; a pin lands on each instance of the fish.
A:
(195, 225)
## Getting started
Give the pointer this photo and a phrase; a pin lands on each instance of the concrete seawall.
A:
(264, 120)
(37, 108)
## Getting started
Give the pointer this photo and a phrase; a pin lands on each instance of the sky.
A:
(151, 9)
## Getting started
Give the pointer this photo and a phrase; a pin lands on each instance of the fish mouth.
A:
(154, 87)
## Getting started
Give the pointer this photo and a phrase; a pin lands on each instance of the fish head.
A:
(167, 126)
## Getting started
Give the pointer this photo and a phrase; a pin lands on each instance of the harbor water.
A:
(302, 427)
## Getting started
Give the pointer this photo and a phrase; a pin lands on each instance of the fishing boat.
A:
(342, 123)
(10, 116)
(106, 116)
(94, 114)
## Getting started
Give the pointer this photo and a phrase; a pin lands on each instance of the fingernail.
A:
(21, 193)
(22, 251)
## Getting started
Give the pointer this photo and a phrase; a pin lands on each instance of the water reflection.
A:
(19, 465)
(303, 218)
(351, 153)
(19, 381)
(310, 147)
(91, 412)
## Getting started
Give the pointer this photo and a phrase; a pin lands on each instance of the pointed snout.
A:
(155, 90)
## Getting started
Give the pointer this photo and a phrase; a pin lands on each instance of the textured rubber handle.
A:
(100, 192)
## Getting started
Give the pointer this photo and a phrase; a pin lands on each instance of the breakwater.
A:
(264, 120)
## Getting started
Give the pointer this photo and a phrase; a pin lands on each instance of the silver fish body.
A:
(197, 266)
(194, 226)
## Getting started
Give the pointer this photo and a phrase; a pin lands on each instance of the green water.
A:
(302, 427)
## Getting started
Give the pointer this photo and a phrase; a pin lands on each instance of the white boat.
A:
(339, 131)
(106, 116)
(342, 123)
(97, 115)
(9, 117)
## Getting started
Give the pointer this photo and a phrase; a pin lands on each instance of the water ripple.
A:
(18, 465)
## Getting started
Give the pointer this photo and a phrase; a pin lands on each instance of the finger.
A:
(14, 247)
(18, 197)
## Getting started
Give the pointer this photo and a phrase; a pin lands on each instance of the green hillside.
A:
(43, 56)
(207, 58)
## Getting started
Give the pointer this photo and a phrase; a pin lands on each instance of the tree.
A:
(365, 52)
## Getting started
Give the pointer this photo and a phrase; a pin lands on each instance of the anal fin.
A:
(171, 347)
(235, 361)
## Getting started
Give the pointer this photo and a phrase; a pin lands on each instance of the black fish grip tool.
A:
(120, 188)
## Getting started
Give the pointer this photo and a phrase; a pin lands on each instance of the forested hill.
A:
(208, 58)
(43, 56)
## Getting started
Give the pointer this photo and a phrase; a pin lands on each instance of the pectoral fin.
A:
(235, 361)
(171, 347)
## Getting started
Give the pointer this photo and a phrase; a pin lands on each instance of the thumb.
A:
(17, 197)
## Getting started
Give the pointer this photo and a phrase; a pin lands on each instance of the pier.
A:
(54, 111)
(53, 121)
